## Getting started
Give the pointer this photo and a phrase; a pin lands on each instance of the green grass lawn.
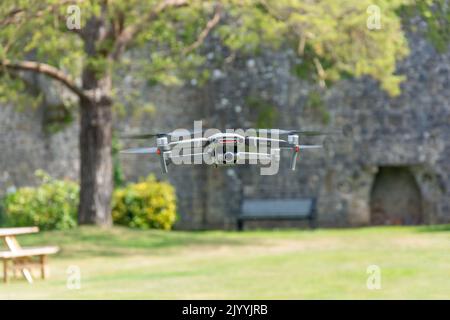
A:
(120, 263)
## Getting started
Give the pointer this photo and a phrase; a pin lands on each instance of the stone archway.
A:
(395, 198)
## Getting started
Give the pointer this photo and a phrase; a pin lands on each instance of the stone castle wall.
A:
(411, 131)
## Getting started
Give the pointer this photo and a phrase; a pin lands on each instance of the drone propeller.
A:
(188, 141)
(172, 134)
(300, 132)
(142, 136)
(183, 133)
(260, 140)
(310, 132)
(153, 150)
(304, 147)
(267, 131)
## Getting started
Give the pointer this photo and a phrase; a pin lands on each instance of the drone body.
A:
(254, 146)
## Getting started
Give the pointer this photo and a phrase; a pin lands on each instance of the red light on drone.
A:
(158, 152)
(297, 149)
(227, 141)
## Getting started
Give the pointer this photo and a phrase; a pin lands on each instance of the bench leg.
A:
(44, 270)
(5, 270)
(240, 225)
(27, 274)
(23, 266)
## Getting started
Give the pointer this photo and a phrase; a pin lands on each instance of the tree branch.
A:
(130, 32)
(320, 72)
(18, 15)
(49, 71)
(209, 26)
(11, 17)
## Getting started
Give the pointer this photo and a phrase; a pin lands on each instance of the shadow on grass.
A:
(119, 241)
(435, 228)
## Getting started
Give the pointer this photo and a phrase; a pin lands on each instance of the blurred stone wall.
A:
(411, 131)
(26, 147)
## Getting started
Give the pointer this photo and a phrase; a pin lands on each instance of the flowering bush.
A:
(146, 204)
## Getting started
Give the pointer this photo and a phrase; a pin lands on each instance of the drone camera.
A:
(228, 157)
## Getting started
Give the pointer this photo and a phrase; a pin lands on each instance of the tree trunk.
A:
(96, 165)
(96, 172)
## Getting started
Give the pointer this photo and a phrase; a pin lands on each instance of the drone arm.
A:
(181, 156)
(253, 156)
(255, 140)
(141, 151)
(186, 141)
(306, 147)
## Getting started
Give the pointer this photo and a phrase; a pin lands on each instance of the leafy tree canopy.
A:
(331, 36)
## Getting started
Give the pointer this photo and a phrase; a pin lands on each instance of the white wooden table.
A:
(21, 258)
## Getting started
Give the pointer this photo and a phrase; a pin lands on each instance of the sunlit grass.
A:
(121, 263)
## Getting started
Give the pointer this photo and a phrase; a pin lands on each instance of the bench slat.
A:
(277, 208)
(27, 252)
(5, 232)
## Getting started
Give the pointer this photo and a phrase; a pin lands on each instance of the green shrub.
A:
(144, 205)
(2, 215)
(52, 205)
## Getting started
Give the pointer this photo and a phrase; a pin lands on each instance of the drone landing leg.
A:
(294, 157)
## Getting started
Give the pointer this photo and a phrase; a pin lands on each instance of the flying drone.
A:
(225, 149)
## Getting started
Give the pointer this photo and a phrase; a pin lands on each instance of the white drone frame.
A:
(209, 145)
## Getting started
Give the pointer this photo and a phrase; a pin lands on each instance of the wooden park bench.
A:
(22, 258)
(279, 209)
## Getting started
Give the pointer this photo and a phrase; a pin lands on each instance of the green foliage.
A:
(303, 70)
(266, 113)
(117, 167)
(20, 93)
(146, 204)
(36, 30)
(2, 214)
(52, 205)
(318, 107)
(436, 14)
(330, 35)
(57, 117)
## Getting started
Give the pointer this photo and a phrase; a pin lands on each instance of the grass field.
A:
(291, 264)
